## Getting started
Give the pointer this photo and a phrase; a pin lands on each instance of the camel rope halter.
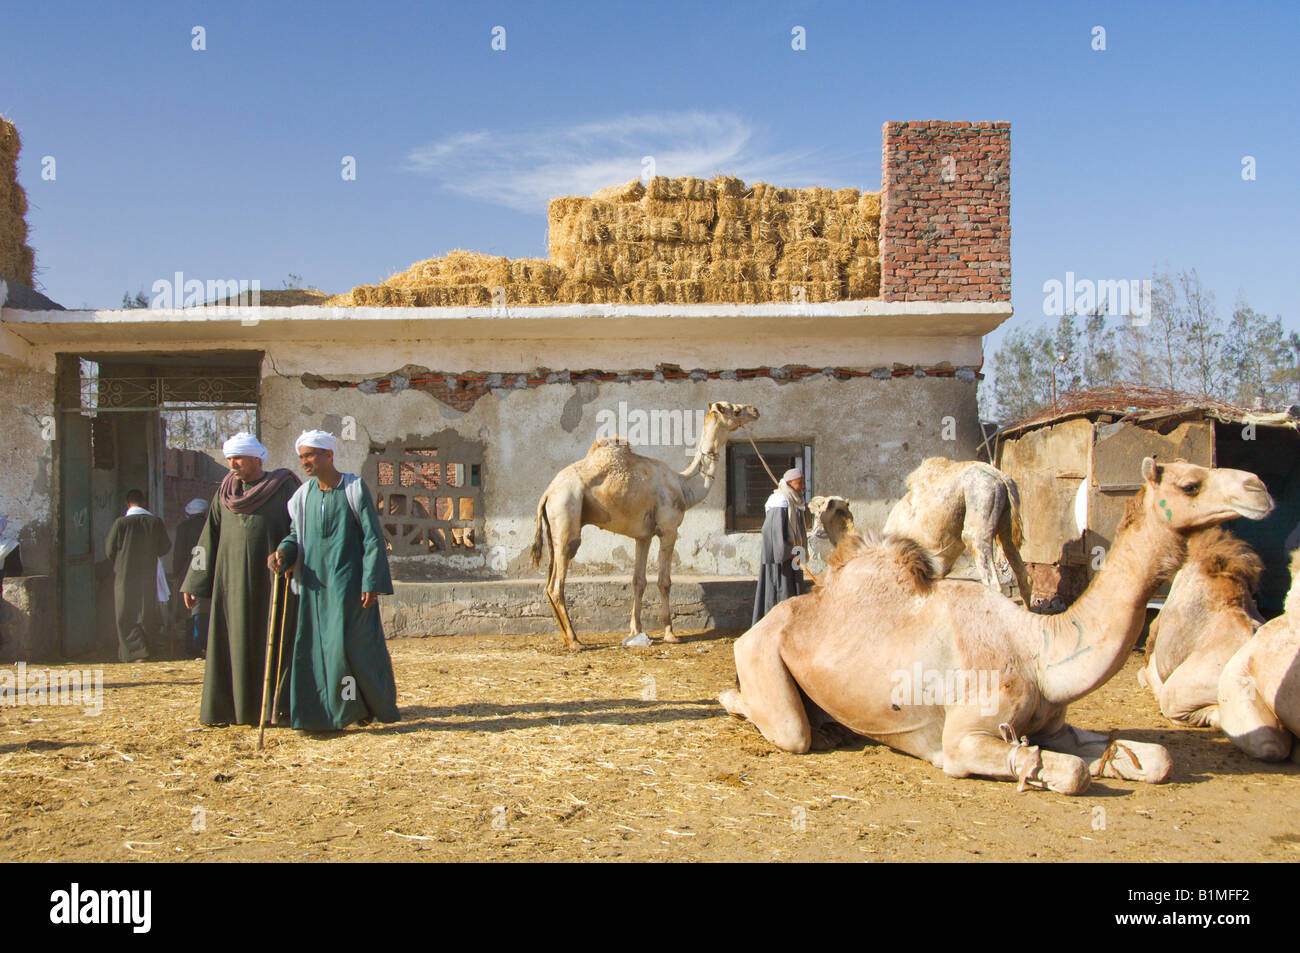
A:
(1008, 733)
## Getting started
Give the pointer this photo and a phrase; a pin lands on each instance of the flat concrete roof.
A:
(131, 329)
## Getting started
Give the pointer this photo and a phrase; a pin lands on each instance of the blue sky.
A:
(225, 163)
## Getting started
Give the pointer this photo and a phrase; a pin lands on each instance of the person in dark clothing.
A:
(136, 544)
(183, 556)
(784, 539)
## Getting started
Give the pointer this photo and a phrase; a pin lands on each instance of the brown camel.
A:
(623, 492)
(1207, 617)
(951, 506)
(1259, 690)
(955, 673)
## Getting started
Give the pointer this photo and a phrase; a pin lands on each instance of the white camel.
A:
(951, 506)
(1259, 690)
(956, 673)
(626, 493)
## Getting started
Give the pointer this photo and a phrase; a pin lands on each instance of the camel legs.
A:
(971, 748)
(768, 695)
(564, 546)
(1130, 760)
(1190, 695)
(1017, 564)
(981, 548)
(638, 582)
(667, 541)
(1247, 719)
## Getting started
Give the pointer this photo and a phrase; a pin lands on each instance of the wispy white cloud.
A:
(525, 169)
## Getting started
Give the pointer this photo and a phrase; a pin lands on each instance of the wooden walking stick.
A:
(279, 655)
(270, 644)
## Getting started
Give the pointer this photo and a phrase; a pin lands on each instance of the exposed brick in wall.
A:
(463, 390)
(945, 228)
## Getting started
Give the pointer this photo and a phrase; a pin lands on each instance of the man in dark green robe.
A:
(342, 672)
(249, 515)
(136, 542)
(784, 546)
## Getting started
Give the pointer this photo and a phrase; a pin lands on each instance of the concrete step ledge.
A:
(595, 604)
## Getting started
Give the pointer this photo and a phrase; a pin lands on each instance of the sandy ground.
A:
(511, 749)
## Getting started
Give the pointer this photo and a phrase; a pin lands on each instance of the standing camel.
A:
(952, 506)
(623, 492)
(955, 673)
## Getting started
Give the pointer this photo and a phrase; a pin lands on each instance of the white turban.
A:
(195, 506)
(791, 474)
(243, 445)
(316, 438)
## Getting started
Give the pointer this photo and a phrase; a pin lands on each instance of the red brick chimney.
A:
(945, 226)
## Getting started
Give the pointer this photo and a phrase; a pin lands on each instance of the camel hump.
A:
(1219, 553)
(609, 443)
(915, 562)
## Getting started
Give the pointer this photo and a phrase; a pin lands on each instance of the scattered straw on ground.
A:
(510, 748)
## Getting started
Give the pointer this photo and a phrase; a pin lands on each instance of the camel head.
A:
(1186, 497)
(722, 419)
(731, 415)
(831, 517)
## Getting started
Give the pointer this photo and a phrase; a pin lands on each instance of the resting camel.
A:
(831, 518)
(952, 506)
(884, 624)
(1207, 617)
(621, 491)
(1259, 690)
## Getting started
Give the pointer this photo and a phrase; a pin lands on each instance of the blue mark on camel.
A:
(1077, 642)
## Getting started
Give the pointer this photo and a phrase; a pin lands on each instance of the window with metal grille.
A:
(428, 497)
(748, 483)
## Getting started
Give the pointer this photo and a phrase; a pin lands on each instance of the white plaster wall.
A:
(868, 434)
(27, 483)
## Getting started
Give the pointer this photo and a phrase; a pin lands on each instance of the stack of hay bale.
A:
(682, 241)
(690, 241)
(17, 260)
(463, 278)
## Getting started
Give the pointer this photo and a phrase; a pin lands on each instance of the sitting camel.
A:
(952, 506)
(1259, 690)
(862, 646)
(831, 518)
(1207, 617)
(621, 491)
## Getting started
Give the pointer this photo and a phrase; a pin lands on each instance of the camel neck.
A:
(1082, 648)
(697, 479)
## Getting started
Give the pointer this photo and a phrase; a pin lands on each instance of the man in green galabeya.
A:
(342, 672)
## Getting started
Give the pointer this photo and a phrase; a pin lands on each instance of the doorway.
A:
(153, 422)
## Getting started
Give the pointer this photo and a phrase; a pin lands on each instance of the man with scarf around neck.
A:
(247, 519)
(784, 535)
(136, 544)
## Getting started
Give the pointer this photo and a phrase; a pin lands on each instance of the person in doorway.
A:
(785, 545)
(183, 555)
(247, 518)
(136, 544)
(342, 672)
